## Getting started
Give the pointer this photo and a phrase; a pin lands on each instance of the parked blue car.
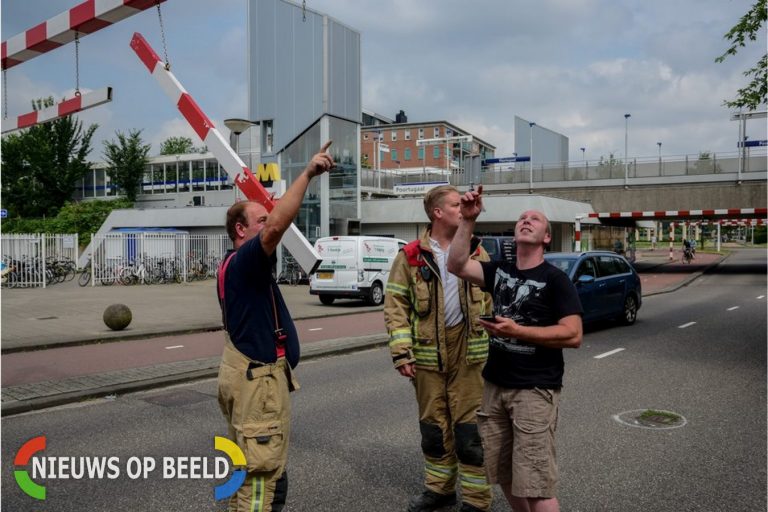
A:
(608, 286)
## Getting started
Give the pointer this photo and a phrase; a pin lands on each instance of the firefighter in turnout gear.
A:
(437, 342)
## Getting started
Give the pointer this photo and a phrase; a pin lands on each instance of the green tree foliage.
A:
(42, 164)
(748, 27)
(177, 146)
(83, 218)
(126, 161)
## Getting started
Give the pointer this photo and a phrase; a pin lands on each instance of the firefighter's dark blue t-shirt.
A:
(538, 296)
(250, 316)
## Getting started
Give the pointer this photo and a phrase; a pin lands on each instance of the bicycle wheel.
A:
(85, 277)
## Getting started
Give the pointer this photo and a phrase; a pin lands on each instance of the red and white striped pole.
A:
(577, 234)
(293, 239)
(63, 109)
(671, 240)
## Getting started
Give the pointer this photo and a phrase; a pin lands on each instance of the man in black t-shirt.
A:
(262, 346)
(537, 313)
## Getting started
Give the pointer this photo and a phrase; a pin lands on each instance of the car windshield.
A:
(564, 264)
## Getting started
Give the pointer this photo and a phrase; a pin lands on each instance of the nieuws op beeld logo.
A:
(31, 464)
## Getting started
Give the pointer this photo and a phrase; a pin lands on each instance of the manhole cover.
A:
(178, 398)
(654, 419)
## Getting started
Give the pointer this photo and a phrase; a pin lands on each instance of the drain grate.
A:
(178, 398)
(655, 419)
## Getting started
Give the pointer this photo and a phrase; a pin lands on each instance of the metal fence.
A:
(575, 171)
(153, 258)
(30, 260)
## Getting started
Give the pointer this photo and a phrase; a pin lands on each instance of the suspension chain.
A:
(162, 35)
(77, 63)
(5, 94)
(304, 10)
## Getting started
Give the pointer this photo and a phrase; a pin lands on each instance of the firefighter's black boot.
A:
(430, 500)
(466, 507)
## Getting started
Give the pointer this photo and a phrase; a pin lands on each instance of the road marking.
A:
(173, 347)
(606, 354)
(761, 296)
(732, 308)
(316, 329)
(686, 325)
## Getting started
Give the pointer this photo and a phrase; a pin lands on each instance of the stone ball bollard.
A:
(117, 317)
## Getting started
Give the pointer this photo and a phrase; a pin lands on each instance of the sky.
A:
(573, 66)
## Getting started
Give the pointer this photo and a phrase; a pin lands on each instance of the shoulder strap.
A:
(220, 286)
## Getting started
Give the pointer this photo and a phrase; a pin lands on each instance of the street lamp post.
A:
(583, 153)
(626, 154)
(530, 173)
(659, 144)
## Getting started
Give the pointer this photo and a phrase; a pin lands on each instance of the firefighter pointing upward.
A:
(437, 342)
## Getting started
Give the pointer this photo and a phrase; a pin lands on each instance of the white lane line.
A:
(686, 325)
(732, 308)
(606, 354)
(173, 347)
(316, 329)
(761, 296)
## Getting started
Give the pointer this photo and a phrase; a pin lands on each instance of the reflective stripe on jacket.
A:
(414, 309)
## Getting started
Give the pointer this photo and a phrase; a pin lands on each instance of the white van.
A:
(353, 266)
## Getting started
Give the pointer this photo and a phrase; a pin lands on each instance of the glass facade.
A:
(294, 159)
(343, 179)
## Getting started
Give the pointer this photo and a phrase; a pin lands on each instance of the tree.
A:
(177, 146)
(126, 161)
(748, 27)
(42, 164)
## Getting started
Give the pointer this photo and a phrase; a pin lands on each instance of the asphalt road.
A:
(355, 443)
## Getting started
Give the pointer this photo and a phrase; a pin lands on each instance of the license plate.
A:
(325, 275)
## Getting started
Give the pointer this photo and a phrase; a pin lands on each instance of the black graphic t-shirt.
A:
(538, 296)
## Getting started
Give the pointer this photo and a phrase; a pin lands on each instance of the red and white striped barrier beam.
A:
(293, 239)
(84, 18)
(63, 109)
(681, 214)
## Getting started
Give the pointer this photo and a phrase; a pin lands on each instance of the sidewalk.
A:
(65, 314)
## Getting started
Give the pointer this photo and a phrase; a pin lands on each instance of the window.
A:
(407, 134)
(421, 153)
(421, 133)
(622, 266)
(394, 135)
(365, 136)
(448, 132)
(435, 151)
(607, 266)
(437, 131)
(407, 154)
(266, 134)
(587, 268)
(393, 152)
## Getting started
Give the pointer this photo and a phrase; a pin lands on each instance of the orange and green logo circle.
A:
(25, 453)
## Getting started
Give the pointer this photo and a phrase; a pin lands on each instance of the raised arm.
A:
(288, 205)
(459, 263)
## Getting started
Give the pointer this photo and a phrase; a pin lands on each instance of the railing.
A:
(154, 258)
(586, 170)
(32, 260)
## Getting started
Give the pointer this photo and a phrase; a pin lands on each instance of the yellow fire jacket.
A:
(414, 309)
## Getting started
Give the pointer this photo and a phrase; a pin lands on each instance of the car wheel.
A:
(327, 299)
(629, 314)
(376, 296)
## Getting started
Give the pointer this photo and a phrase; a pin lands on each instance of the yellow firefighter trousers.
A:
(257, 406)
(450, 441)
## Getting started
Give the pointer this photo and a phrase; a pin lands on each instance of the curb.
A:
(315, 350)
(687, 280)
(210, 327)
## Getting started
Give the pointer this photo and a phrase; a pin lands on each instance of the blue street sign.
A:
(3, 214)
(754, 144)
(506, 160)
